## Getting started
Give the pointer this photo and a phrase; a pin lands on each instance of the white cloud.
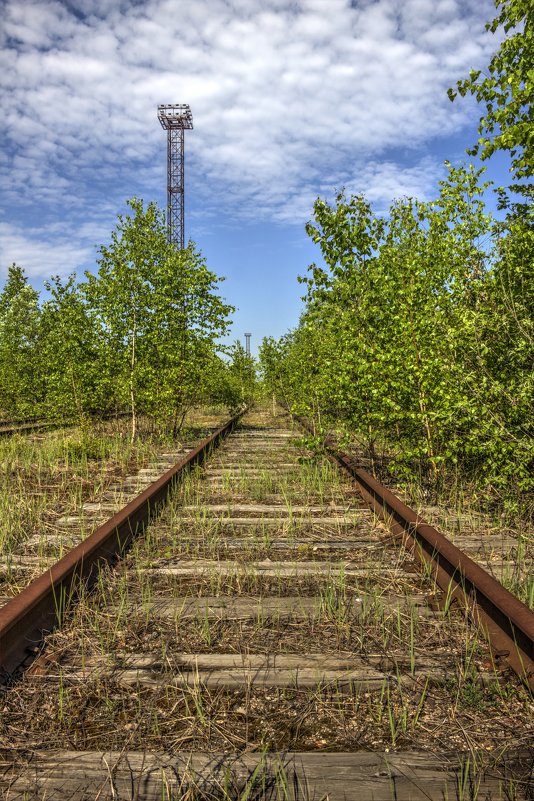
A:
(283, 93)
(379, 181)
(53, 250)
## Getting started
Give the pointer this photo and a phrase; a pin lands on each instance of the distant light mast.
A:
(247, 344)
(175, 119)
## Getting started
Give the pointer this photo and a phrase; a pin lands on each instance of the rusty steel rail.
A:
(26, 428)
(507, 623)
(19, 421)
(40, 607)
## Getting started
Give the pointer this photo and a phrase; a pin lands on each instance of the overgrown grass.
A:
(378, 615)
(458, 505)
(48, 475)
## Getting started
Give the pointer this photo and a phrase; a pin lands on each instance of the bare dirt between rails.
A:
(199, 669)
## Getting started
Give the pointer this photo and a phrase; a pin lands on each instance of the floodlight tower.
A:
(175, 119)
(247, 346)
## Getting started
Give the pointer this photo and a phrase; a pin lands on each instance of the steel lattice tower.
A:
(247, 339)
(175, 119)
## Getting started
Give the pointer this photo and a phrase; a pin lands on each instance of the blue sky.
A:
(291, 99)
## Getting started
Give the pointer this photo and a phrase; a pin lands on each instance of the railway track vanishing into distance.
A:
(266, 636)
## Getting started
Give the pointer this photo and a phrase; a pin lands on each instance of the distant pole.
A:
(247, 346)
(175, 119)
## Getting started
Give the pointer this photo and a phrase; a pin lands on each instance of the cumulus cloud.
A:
(53, 250)
(284, 93)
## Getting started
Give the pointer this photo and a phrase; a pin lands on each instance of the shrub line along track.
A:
(508, 624)
(335, 678)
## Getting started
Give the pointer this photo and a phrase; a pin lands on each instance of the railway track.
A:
(266, 637)
(33, 425)
(8, 428)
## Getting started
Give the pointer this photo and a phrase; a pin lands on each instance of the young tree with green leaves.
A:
(187, 318)
(21, 391)
(498, 366)
(501, 357)
(418, 332)
(161, 315)
(274, 370)
(507, 88)
(241, 378)
(73, 355)
(120, 295)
